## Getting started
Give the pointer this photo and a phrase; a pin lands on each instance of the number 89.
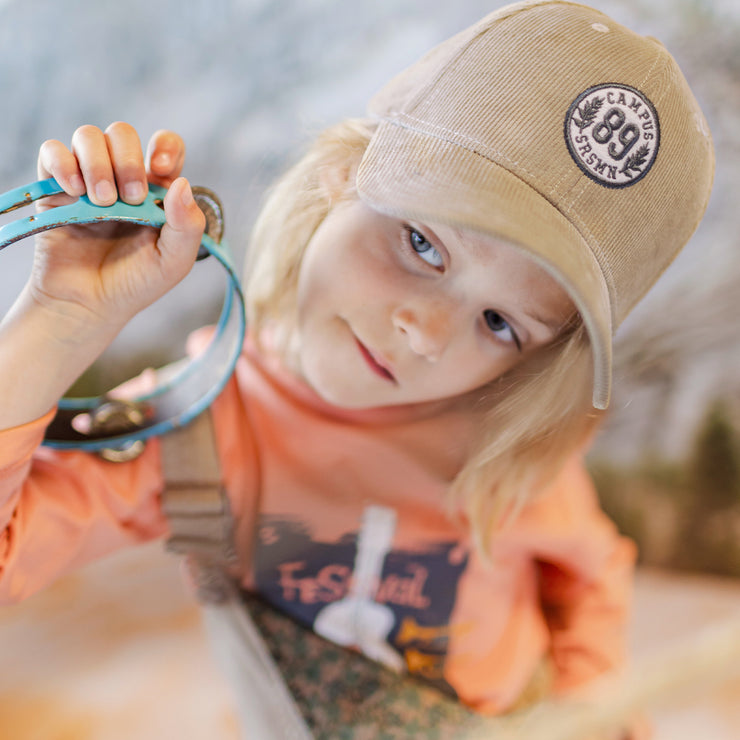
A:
(612, 123)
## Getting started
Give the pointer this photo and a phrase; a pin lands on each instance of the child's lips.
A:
(377, 364)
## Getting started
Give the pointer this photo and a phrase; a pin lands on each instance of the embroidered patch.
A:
(613, 134)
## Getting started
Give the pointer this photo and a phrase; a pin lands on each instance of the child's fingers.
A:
(182, 233)
(56, 161)
(90, 146)
(124, 148)
(165, 156)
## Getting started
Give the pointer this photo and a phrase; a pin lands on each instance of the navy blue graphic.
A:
(300, 575)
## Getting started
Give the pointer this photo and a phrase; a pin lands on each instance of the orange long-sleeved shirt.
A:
(338, 510)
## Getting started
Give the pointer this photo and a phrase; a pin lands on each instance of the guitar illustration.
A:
(356, 619)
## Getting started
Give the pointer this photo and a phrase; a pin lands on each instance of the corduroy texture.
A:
(492, 131)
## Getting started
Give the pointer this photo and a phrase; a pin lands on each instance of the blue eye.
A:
(424, 249)
(500, 326)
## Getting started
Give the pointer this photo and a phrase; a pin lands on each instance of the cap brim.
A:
(409, 174)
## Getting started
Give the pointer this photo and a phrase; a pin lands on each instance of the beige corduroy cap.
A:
(554, 128)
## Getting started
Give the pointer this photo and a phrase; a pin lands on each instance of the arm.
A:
(87, 282)
(61, 510)
(586, 573)
(58, 510)
(586, 576)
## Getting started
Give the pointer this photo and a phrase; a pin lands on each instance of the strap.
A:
(202, 529)
(197, 507)
(266, 707)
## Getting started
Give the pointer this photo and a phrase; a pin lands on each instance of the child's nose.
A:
(428, 328)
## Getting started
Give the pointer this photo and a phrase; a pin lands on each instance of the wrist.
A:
(42, 352)
(64, 324)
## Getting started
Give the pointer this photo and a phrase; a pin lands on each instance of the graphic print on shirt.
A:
(356, 619)
(414, 589)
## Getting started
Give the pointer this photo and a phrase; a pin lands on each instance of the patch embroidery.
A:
(613, 134)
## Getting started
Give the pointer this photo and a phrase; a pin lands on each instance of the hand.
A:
(93, 279)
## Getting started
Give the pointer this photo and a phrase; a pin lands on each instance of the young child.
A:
(432, 296)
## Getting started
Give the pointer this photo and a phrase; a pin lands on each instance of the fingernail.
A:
(162, 161)
(104, 191)
(186, 197)
(133, 191)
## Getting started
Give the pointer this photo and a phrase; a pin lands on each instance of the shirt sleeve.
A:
(586, 571)
(60, 510)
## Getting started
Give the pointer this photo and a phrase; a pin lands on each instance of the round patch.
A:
(613, 134)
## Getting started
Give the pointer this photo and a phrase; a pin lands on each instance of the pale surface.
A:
(114, 652)
(117, 652)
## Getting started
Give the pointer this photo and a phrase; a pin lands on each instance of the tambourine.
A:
(114, 427)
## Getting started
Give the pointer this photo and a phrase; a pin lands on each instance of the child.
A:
(432, 295)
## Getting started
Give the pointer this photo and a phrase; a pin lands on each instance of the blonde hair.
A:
(533, 418)
(294, 209)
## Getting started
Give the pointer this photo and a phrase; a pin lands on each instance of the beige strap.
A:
(202, 529)
(197, 507)
(266, 707)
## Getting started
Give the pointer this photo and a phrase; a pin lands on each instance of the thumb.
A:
(181, 235)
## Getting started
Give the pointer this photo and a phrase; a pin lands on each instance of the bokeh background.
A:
(249, 82)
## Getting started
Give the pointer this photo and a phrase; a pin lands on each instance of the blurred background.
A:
(248, 83)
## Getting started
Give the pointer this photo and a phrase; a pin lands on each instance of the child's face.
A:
(394, 312)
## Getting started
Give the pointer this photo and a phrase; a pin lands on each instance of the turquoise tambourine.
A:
(113, 427)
